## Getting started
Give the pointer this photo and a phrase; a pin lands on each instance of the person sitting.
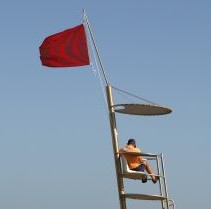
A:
(137, 163)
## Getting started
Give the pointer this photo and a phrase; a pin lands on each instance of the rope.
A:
(138, 97)
(123, 95)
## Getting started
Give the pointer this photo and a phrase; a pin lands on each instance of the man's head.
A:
(131, 142)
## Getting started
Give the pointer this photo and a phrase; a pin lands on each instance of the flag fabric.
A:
(65, 49)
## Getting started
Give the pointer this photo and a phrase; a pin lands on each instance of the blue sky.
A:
(55, 144)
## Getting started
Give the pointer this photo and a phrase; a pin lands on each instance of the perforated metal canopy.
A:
(141, 109)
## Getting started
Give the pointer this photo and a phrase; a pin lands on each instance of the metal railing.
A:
(166, 202)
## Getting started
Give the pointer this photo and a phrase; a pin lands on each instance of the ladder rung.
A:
(134, 175)
(137, 175)
(144, 196)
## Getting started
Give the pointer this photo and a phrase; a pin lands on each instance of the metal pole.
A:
(114, 135)
(165, 184)
(95, 46)
(160, 183)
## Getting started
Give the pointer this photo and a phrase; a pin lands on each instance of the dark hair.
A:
(132, 141)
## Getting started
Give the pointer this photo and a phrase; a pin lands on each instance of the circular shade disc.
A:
(141, 109)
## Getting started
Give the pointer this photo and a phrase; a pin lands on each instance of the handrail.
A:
(165, 201)
(144, 154)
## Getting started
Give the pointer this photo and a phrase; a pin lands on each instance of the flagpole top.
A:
(84, 12)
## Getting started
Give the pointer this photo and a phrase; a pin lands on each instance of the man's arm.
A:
(124, 149)
(137, 150)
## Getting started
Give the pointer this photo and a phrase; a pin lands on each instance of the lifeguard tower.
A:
(122, 169)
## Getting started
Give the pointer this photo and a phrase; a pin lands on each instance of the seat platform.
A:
(127, 173)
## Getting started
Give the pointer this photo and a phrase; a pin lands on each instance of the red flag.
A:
(65, 49)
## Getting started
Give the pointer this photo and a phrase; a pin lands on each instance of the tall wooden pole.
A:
(114, 135)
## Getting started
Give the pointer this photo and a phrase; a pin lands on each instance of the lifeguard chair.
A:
(130, 174)
(122, 169)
